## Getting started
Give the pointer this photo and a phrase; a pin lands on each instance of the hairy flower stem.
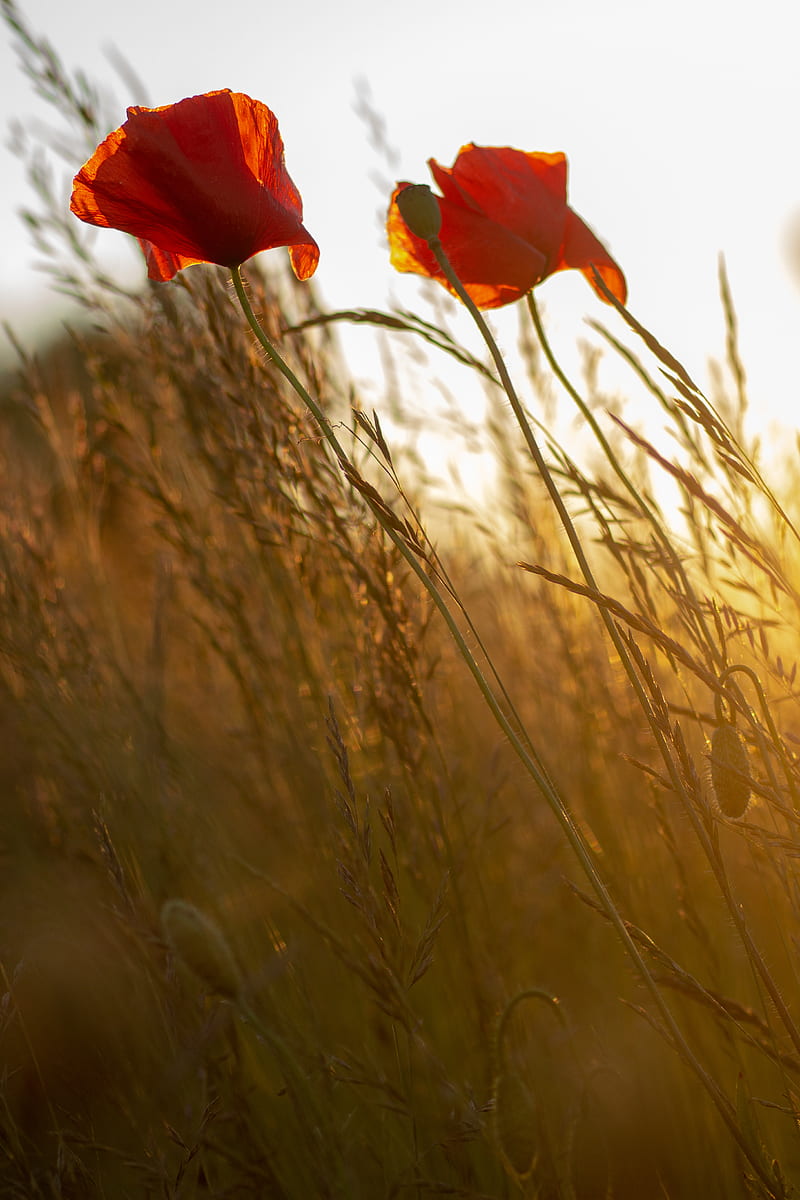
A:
(576, 840)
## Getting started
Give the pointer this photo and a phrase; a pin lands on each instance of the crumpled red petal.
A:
(203, 180)
(506, 226)
(494, 265)
(582, 250)
(161, 265)
(526, 193)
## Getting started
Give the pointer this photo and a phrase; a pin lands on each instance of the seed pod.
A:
(202, 946)
(730, 771)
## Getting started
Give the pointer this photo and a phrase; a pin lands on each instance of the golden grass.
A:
(237, 737)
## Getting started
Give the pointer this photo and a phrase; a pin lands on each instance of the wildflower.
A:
(202, 180)
(506, 226)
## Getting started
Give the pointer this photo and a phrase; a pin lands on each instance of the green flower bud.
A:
(420, 210)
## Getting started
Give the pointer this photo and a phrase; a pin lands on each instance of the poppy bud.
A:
(202, 946)
(730, 771)
(506, 227)
(419, 208)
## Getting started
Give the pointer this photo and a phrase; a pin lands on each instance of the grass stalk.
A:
(556, 803)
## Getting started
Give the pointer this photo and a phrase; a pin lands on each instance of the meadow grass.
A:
(283, 912)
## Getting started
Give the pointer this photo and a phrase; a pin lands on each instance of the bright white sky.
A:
(680, 122)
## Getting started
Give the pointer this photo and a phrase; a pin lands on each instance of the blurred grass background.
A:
(220, 684)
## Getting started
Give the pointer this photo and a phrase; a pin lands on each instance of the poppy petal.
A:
(582, 250)
(203, 180)
(527, 193)
(494, 265)
(506, 226)
(304, 258)
(449, 185)
(161, 265)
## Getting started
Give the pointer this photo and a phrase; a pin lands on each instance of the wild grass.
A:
(282, 912)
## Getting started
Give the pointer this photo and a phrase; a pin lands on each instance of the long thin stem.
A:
(519, 740)
(528, 758)
(710, 847)
(720, 1099)
(648, 512)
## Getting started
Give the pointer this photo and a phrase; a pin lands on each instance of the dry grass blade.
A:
(401, 323)
(673, 649)
(749, 544)
(652, 343)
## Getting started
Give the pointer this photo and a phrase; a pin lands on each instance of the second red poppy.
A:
(506, 226)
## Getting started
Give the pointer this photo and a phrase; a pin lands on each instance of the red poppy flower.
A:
(202, 180)
(506, 226)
